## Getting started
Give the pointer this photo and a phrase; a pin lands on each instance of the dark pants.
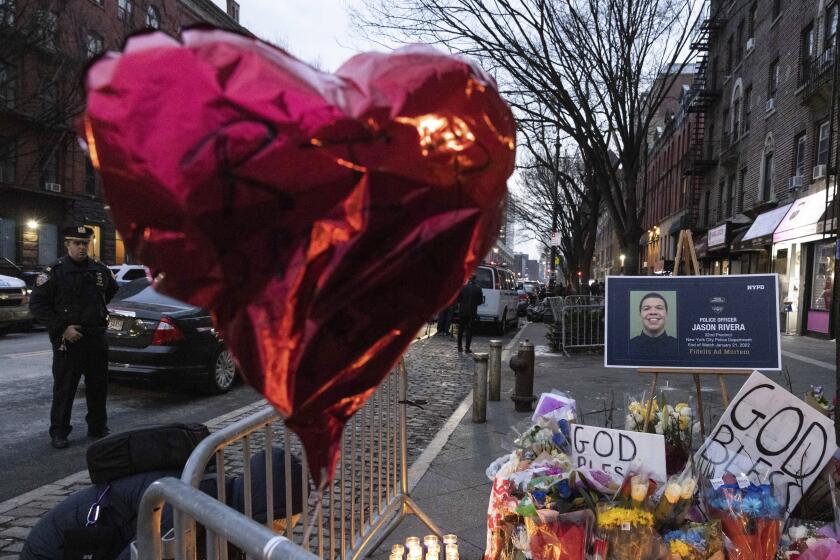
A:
(88, 356)
(444, 320)
(465, 328)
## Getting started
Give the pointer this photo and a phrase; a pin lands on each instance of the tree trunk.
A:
(631, 253)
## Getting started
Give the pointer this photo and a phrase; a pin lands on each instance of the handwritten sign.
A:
(768, 434)
(614, 450)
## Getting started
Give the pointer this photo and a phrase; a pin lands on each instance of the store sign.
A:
(555, 239)
(613, 451)
(768, 434)
(717, 237)
(691, 322)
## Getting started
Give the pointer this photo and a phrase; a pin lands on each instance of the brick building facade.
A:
(46, 180)
(770, 68)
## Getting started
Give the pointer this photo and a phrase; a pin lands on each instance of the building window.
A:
(152, 17)
(830, 26)
(707, 210)
(724, 132)
(767, 181)
(233, 10)
(822, 144)
(823, 278)
(8, 160)
(723, 198)
(736, 114)
(742, 186)
(747, 108)
(94, 44)
(47, 29)
(90, 177)
(48, 92)
(772, 79)
(799, 155)
(124, 10)
(49, 173)
(730, 201)
(751, 21)
(729, 56)
(7, 12)
(8, 86)
(8, 239)
(739, 42)
(807, 49)
(777, 8)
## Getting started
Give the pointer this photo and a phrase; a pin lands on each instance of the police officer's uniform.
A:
(76, 293)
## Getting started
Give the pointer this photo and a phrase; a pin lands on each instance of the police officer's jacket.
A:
(70, 293)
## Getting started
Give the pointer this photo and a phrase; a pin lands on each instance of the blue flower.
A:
(751, 506)
(538, 496)
(720, 504)
(563, 489)
(559, 439)
(565, 427)
(673, 536)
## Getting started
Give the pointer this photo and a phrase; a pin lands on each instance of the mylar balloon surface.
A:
(321, 218)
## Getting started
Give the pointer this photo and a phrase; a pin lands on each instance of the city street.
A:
(26, 457)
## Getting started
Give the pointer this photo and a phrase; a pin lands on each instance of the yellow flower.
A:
(679, 548)
(680, 406)
(615, 517)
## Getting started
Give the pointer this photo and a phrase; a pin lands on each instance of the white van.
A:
(499, 287)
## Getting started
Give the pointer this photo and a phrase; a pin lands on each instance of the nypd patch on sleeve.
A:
(42, 279)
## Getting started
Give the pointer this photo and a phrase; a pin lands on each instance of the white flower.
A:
(798, 532)
(659, 429)
(686, 412)
(630, 422)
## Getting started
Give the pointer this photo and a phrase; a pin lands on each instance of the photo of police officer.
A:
(653, 340)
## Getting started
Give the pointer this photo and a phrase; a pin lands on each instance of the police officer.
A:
(70, 299)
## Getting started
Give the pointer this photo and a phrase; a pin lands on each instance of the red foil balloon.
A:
(321, 218)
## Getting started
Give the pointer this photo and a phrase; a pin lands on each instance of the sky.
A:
(318, 32)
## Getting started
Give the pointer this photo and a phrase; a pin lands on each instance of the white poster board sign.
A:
(614, 450)
(768, 434)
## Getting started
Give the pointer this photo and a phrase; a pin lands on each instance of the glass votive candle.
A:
(412, 542)
(452, 551)
(397, 552)
(430, 540)
(450, 539)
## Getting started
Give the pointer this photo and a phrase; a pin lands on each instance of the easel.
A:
(687, 255)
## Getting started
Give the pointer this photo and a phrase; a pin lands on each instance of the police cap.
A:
(77, 232)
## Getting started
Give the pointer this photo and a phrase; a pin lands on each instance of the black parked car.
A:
(153, 334)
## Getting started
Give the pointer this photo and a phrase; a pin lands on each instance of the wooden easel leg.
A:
(700, 406)
(723, 394)
(650, 401)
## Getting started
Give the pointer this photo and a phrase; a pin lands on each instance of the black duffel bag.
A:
(150, 448)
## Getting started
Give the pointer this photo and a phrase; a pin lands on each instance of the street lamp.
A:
(32, 224)
(621, 258)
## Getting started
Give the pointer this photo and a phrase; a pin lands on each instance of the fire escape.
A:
(700, 159)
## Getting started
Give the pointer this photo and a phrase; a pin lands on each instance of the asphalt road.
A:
(28, 461)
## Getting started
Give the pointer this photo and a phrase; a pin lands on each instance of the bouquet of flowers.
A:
(674, 422)
(808, 540)
(750, 516)
(676, 498)
(626, 526)
(560, 536)
(697, 541)
(817, 399)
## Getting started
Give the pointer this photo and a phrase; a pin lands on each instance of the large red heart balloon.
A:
(321, 218)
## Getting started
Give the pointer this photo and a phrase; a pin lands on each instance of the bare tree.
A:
(600, 68)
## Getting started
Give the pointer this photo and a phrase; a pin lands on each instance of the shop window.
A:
(94, 246)
(823, 279)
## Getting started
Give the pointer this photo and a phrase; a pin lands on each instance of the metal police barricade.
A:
(581, 320)
(368, 498)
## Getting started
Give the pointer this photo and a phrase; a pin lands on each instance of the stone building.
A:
(46, 180)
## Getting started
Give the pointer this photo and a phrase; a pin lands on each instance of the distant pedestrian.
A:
(471, 297)
(445, 321)
(70, 298)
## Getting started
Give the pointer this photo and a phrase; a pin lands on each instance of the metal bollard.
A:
(479, 409)
(523, 367)
(495, 370)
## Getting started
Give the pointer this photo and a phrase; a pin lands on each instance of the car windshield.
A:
(141, 291)
(530, 287)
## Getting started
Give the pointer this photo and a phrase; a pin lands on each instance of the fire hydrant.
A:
(522, 365)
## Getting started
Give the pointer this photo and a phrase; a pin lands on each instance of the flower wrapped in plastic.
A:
(808, 540)
(750, 515)
(675, 499)
(817, 399)
(626, 526)
(555, 536)
(696, 541)
(674, 422)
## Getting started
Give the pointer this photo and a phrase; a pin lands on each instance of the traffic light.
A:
(580, 274)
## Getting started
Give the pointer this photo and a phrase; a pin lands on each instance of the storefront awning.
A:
(701, 247)
(761, 232)
(801, 219)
